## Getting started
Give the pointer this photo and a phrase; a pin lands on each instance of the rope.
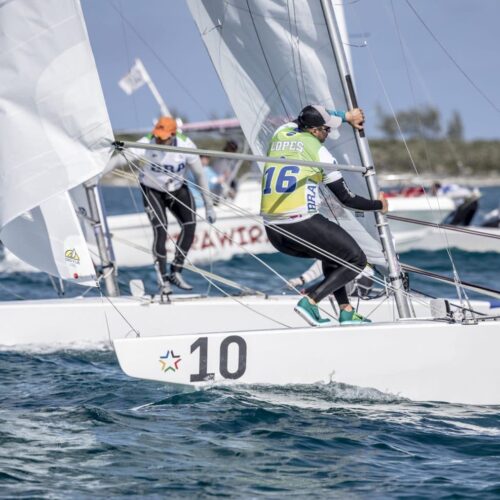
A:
(389, 102)
(277, 229)
(447, 227)
(206, 275)
(453, 60)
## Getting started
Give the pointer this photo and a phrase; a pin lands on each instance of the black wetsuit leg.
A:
(155, 203)
(181, 203)
(329, 237)
(341, 293)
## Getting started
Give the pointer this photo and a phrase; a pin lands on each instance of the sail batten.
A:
(273, 58)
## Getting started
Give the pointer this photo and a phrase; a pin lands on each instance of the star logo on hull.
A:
(170, 361)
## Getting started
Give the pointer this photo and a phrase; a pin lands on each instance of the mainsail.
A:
(55, 135)
(273, 58)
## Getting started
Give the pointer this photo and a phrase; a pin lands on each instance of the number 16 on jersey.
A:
(280, 179)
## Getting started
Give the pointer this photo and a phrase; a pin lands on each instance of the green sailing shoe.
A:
(310, 313)
(352, 318)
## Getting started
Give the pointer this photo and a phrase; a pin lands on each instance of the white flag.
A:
(135, 78)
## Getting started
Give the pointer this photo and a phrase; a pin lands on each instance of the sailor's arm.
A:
(334, 181)
(349, 199)
(355, 117)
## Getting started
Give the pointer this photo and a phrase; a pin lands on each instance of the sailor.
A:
(163, 185)
(224, 168)
(289, 206)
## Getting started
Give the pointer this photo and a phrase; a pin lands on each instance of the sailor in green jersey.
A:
(289, 206)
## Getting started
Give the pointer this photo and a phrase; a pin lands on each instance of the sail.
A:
(274, 57)
(56, 133)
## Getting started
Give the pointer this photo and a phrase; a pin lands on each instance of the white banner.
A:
(135, 78)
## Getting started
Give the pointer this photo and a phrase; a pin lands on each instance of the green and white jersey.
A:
(290, 192)
(164, 170)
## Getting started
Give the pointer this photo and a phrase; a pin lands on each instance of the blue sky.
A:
(162, 34)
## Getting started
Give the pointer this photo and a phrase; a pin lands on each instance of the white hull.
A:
(421, 360)
(89, 323)
(230, 236)
(235, 234)
(434, 239)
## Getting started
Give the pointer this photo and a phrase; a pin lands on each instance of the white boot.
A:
(176, 279)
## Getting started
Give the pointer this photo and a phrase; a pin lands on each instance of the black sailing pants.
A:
(329, 237)
(182, 205)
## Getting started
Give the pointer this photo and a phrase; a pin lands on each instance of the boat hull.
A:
(89, 323)
(421, 360)
(436, 239)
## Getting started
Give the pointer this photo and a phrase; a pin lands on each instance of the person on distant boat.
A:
(453, 191)
(224, 169)
(289, 206)
(466, 202)
(163, 185)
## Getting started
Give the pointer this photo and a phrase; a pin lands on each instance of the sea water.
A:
(72, 425)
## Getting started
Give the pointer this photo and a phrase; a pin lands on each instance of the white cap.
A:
(315, 115)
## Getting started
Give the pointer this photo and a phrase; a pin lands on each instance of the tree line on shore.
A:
(434, 149)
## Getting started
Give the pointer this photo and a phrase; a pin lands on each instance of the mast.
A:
(96, 220)
(395, 275)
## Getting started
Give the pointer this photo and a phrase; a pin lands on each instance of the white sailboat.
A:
(486, 239)
(256, 47)
(69, 126)
(237, 234)
(57, 136)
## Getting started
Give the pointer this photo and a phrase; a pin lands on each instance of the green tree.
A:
(455, 131)
(414, 123)
(430, 122)
(386, 123)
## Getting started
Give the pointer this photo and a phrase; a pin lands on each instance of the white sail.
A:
(274, 58)
(49, 238)
(56, 132)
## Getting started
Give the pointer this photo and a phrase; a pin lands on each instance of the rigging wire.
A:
(424, 87)
(412, 89)
(447, 227)
(297, 239)
(235, 208)
(443, 233)
(10, 292)
(182, 85)
(244, 212)
(129, 60)
(453, 60)
(204, 275)
(458, 306)
(403, 139)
